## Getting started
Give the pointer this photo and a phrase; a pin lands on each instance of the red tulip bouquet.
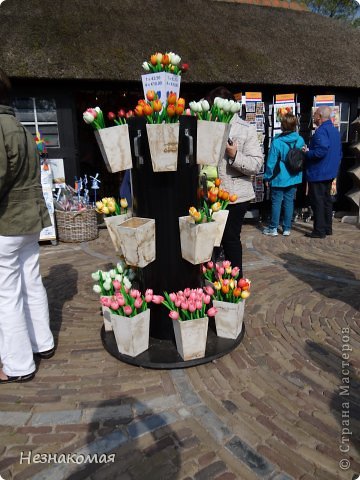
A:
(121, 118)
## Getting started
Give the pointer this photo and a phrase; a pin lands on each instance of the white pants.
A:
(24, 311)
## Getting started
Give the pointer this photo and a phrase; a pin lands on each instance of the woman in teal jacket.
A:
(282, 182)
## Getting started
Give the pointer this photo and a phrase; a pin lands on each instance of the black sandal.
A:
(47, 354)
(19, 379)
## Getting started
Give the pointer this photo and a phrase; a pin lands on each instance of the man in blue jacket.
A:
(322, 164)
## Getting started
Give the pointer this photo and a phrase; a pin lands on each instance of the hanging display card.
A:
(282, 109)
(48, 233)
(285, 98)
(328, 100)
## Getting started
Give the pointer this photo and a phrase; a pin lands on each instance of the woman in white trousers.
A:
(24, 313)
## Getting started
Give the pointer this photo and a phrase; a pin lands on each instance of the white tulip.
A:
(105, 275)
(226, 106)
(88, 118)
(118, 277)
(97, 289)
(234, 106)
(205, 105)
(218, 101)
(98, 109)
(126, 282)
(146, 67)
(112, 273)
(107, 285)
(95, 276)
(175, 59)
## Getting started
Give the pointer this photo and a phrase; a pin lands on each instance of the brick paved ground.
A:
(269, 410)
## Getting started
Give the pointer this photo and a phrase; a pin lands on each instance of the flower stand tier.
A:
(164, 197)
(211, 142)
(229, 319)
(114, 145)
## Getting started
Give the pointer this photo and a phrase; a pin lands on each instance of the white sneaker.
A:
(270, 231)
(286, 233)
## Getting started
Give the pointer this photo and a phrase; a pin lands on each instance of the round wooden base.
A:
(162, 354)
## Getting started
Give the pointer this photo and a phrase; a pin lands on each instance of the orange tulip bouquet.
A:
(226, 286)
(155, 111)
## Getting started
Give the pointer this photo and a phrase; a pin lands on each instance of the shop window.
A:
(39, 115)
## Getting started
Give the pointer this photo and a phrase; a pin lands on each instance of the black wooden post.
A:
(165, 196)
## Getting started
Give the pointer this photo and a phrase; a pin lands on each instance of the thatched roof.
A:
(224, 42)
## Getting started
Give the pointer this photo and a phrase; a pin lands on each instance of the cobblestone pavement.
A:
(270, 409)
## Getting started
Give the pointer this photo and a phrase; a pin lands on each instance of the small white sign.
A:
(162, 83)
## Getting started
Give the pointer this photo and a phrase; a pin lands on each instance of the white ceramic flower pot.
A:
(190, 337)
(220, 218)
(137, 241)
(115, 148)
(197, 240)
(229, 319)
(163, 143)
(111, 224)
(131, 333)
(211, 141)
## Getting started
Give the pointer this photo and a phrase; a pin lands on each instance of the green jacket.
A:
(22, 206)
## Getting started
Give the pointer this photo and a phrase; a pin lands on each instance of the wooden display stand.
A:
(166, 196)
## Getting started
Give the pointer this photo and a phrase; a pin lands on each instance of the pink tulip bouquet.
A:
(130, 302)
(188, 304)
(94, 117)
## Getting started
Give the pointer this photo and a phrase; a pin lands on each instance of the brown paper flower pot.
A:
(220, 218)
(131, 333)
(114, 144)
(229, 319)
(211, 142)
(137, 241)
(197, 240)
(163, 143)
(190, 337)
(111, 224)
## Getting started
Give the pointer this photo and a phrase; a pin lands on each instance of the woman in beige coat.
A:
(243, 158)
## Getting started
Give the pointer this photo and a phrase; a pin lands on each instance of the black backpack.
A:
(295, 160)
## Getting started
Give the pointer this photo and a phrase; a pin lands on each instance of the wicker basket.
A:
(77, 226)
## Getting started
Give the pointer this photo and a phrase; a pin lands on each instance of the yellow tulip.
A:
(123, 203)
(217, 285)
(245, 294)
(105, 210)
(111, 207)
(215, 207)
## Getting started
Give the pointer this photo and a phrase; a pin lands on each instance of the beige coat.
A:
(249, 159)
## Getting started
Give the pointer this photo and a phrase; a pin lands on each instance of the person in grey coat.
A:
(243, 158)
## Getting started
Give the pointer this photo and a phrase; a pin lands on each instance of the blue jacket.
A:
(280, 146)
(325, 153)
